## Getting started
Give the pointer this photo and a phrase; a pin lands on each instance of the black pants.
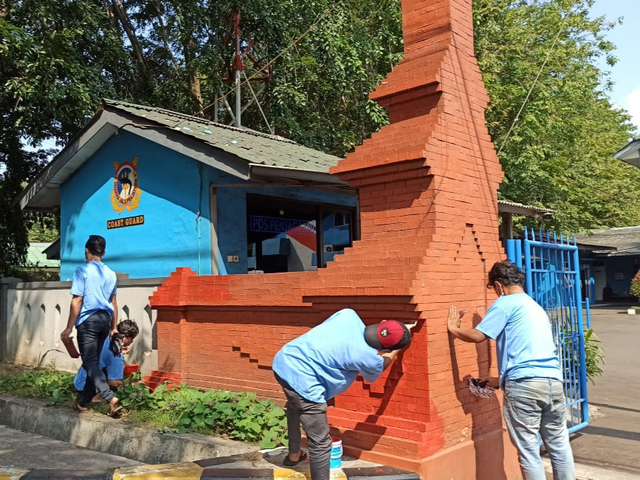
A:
(92, 334)
(313, 417)
(86, 395)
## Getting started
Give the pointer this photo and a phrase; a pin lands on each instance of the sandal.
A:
(287, 462)
(116, 412)
(82, 409)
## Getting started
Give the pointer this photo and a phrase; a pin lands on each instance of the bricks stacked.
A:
(429, 233)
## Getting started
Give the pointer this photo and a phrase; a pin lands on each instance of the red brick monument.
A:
(429, 234)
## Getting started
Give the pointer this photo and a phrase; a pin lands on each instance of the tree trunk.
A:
(193, 73)
(121, 13)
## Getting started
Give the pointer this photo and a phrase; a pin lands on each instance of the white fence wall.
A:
(32, 315)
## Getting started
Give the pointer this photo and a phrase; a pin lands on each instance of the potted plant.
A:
(635, 291)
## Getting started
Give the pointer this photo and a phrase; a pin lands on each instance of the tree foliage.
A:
(559, 152)
(57, 59)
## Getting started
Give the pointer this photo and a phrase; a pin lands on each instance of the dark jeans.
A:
(92, 334)
(313, 417)
(85, 397)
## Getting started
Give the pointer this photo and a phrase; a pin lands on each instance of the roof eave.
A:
(43, 192)
(520, 209)
(629, 153)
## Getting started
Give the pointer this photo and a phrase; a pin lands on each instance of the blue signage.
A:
(277, 224)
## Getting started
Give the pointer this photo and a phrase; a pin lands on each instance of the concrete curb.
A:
(170, 456)
(193, 471)
(103, 434)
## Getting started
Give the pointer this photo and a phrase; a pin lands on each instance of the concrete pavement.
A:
(24, 452)
(612, 440)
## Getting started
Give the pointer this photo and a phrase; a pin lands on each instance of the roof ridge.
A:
(203, 121)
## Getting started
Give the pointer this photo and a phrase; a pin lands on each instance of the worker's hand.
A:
(491, 381)
(66, 334)
(455, 317)
(113, 332)
(388, 357)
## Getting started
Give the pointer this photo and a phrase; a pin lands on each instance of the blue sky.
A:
(626, 73)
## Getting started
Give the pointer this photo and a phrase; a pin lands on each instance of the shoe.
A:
(290, 463)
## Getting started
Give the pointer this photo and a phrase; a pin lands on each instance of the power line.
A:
(535, 81)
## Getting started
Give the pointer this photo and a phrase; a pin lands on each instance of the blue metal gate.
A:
(552, 272)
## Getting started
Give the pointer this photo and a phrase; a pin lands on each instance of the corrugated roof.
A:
(37, 258)
(507, 206)
(255, 147)
(625, 240)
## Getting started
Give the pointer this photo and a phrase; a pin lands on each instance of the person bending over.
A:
(323, 363)
(111, 363)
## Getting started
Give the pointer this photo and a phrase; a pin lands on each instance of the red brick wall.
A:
(428, 184)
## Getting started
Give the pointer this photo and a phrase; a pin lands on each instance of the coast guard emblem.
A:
(126, 191)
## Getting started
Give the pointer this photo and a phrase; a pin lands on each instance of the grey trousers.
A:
(313, 417)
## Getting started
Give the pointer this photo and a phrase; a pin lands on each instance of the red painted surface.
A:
(428, 194)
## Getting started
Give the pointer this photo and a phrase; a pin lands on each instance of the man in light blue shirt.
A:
(530, 373)
(94, 313)
(324, 362)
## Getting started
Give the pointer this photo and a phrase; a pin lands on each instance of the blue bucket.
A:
(336, 453)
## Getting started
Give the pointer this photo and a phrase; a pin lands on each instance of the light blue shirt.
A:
(523, 336)
(113, 364)
(95, 283)
(326, 360)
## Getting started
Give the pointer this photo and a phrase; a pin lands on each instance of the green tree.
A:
(59, 58)
(559, 152)
(56, 60)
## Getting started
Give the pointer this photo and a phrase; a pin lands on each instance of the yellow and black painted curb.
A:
(203, 470)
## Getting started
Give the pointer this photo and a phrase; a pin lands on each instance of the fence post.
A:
(5, 285)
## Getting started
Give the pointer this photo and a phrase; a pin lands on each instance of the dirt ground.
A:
(8, 368)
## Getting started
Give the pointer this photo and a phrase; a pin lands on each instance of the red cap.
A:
(388, 335)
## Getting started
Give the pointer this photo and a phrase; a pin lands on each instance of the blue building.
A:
(610, 258)
(169, 190)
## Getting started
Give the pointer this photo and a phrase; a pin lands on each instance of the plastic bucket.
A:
(336, 453)
(131, 368)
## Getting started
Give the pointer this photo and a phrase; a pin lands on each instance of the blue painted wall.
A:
(626, 267)
(174, 188)
(172, 235)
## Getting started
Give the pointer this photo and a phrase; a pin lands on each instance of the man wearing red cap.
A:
(323, 363)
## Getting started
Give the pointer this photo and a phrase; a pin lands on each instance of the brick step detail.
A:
(159, 377)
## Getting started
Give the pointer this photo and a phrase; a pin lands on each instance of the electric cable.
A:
(535, 81)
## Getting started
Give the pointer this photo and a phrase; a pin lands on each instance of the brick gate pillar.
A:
(427, 186)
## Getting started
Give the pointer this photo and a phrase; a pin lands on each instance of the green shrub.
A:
(239, 416)
(594, 355)
(181, 409)
(56, 388)
(635, 286)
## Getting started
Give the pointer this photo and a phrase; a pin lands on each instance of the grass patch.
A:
(180, 409)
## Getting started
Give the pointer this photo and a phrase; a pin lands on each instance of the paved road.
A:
(613, 439)
(27, 450)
